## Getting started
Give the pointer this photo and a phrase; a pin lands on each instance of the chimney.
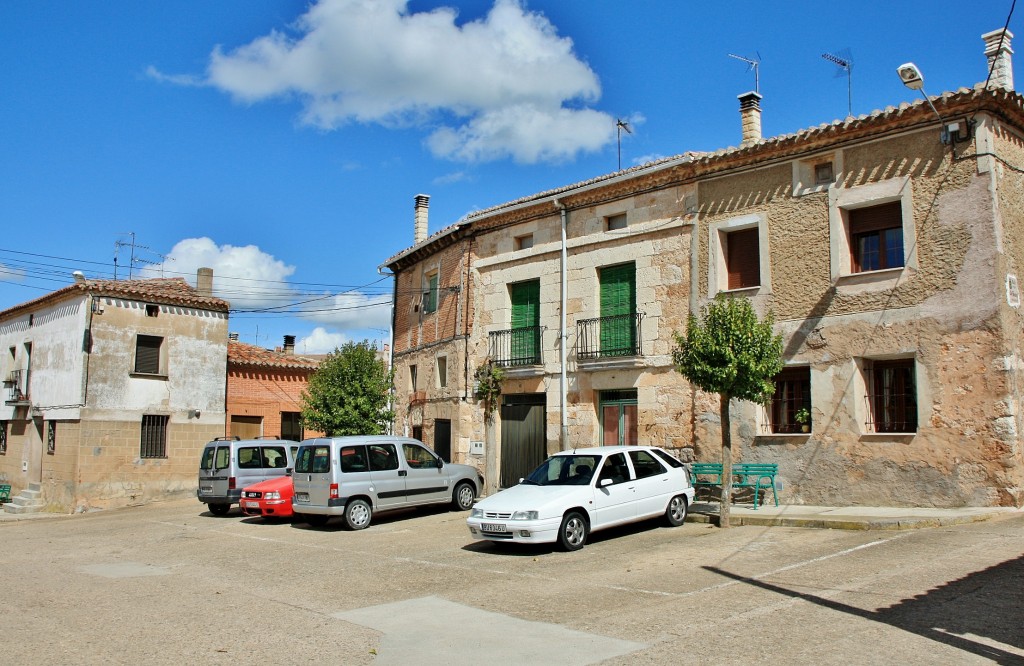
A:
(204, 281)
(750, 117)
(420, 229)
(233, 337)
(998, 53)
(289, 345)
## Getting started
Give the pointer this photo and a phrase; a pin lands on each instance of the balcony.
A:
(515, 347)
(17, 393)
(617, 336)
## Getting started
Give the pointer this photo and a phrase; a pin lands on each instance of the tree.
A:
(488, 378)
(729, 351)
(348, 393)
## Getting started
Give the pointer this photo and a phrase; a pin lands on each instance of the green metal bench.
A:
(744, 475)
(5, 493)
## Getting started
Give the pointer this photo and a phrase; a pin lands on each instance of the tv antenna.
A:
(752, 64)
(620, 125)
(844, 62)
(133, 260)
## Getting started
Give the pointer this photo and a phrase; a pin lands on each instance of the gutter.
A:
(563, 428)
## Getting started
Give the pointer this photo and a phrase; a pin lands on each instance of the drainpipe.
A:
(563, 428)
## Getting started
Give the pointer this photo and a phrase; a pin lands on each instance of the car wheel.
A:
(573, 532)
(463, 496)
(357, 514)
(315, 519)
(675, 514)
(219, 509)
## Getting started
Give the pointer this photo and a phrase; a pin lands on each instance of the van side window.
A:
(249, 457)
(383, 457)
(223, 460)
(274, 457)
(353, 459)
(207, 461)
(417, 456)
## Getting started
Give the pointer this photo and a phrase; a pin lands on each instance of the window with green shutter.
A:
(618, 310)
(430, 295)
(525, 298)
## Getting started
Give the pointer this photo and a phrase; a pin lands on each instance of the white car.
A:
(576, 492)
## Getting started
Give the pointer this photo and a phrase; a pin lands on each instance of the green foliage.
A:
(729, 351)
(802, 416)
(488, 378)
(348, 394)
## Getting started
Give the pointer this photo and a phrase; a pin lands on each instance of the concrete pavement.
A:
(845, 518)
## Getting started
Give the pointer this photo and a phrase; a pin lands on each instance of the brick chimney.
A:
(999, 55)
(420, 229)
(204, 281)
(750, 117)
(289, 345)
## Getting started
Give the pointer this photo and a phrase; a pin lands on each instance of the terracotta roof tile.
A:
(240, 353)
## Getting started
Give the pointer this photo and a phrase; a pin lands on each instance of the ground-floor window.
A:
(791, 402)
(891, 395)
(51, 437)
(619, 417)
(154, 436)
(246, 427)
(3, 438)
(291, 426)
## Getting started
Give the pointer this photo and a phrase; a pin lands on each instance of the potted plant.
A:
(803, 417)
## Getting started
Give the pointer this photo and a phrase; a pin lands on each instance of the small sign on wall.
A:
(476, 448)
(1012, 291)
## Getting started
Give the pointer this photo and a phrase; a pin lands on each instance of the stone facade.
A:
(944, 311)
(78, 397)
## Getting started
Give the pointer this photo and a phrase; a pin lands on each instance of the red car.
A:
(271, 498)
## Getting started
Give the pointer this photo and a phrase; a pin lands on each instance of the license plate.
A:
(492, 527)
(252, 505)
(301, 497)
(206, 489)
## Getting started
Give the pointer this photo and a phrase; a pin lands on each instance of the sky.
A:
(282, 143)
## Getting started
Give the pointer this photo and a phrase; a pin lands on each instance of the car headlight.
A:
(273, 495)
(476, 513)
(524, 515)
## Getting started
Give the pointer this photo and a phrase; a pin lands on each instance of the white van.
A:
(356, 477)
(229, 464)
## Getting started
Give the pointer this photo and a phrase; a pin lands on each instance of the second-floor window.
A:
(743, 259)
(876, 237)
(525, 342)
(430, 294)
(618, 310)
(147, 354)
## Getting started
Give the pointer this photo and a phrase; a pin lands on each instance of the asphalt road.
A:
(170, 584)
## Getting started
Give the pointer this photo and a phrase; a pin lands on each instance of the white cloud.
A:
(350, 311)
(503, 86)
(10, 274)
(320, 341)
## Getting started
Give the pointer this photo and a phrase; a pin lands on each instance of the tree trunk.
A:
(726, 462)
(490, 456)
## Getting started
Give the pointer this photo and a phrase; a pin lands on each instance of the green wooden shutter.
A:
(525, 322)
(618, 310)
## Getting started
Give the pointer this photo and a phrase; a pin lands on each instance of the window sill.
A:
(811, 189)
(879, 436)
(782, 435)
(147, 375)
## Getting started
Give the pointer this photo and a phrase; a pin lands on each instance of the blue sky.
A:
(282, 143)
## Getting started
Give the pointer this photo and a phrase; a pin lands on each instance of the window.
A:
(876, 237)
(383, 457)
(742, 261)
(152, 310)
(353, 459)
(791, 402)
(524, 242)
(430, 295)
(442, 371)
(418, 457)
(313, 460)
(892, 395)
(274, 457)
(816, 174)
(525, 342)
(249, 457)
(618, 310)
(291, 426)
(417, 432)
(3, 438)
(147, 354)
(619, 417)
(616, 222)
(823, 173)
(614, 468)
(412, 377)
(645, 464)
(154, 436)
(51, 437)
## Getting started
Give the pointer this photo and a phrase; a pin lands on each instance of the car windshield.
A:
(569, 470)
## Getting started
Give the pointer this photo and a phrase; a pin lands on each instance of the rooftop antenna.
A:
(843, 60)
(133, 260)
(620, 125)
(752, 64)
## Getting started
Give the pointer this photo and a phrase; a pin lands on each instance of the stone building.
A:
(111, 388)
(887, 246)
(264, 390)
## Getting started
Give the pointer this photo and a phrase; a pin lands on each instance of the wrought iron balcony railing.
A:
(17, 392)
(515, 346)
(609, 337)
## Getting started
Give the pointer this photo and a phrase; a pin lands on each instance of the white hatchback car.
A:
(576, 492)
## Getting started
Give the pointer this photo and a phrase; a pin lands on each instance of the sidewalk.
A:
(844, 518)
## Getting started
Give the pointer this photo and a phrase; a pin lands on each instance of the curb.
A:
(907, 523)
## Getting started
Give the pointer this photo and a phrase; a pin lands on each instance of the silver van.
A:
(229, 464)
(356, 477)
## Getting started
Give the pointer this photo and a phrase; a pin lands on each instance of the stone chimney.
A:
(204, 281)
(420, 229)
(750, 117)
(999, 55)
(289, 345)
(233, 337)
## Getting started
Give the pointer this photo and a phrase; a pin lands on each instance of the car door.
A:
(614, 494)
(386, 474)
(654, 485)
(426, 480)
